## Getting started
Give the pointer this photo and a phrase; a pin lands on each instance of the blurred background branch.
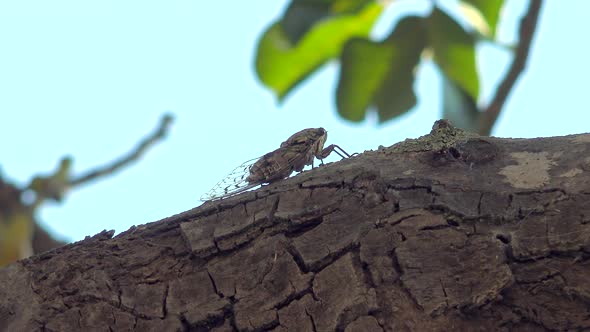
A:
(20, 233)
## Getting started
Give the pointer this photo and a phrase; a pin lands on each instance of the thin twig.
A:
(528, 24)
(132, 156)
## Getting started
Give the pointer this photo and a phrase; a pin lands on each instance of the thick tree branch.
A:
(527, 29)
(448, 232)
(132, 156)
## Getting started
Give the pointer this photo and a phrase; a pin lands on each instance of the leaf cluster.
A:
(380, 73)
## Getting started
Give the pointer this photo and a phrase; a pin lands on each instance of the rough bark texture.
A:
(449, 232)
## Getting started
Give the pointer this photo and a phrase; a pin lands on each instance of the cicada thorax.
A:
(307, 137)
(305, 145)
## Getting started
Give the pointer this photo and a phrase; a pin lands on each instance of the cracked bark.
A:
(451, 231)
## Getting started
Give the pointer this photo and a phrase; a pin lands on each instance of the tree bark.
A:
(449, 232)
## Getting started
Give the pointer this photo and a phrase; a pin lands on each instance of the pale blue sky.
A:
(90, 78)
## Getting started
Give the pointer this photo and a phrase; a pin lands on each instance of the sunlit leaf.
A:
(486, 10)
(281, 65)
(381, 74)
(302, 15)
(454, 51)
(349, 6)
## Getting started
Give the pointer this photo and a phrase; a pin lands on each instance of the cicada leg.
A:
(329, 149)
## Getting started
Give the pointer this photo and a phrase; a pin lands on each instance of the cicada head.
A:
(320, 137)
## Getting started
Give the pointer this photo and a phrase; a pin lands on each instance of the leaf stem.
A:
(528, 24)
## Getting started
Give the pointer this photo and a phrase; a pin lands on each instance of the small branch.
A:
(528, 24)
(132, 156)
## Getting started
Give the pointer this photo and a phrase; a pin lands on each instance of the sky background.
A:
(91, 78)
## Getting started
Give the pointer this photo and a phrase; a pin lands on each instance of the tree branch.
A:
(527, 28)
(255, 261)
(132, 156)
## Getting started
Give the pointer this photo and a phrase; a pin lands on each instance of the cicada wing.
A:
(276, 165)
(233, 183)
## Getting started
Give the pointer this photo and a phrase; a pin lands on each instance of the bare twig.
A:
(132, 156)
(528, 24)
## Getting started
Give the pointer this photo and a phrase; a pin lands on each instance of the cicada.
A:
(294, 154)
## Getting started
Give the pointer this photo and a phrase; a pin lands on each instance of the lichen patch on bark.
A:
(531, 170)
(581, 139)
(571, 173)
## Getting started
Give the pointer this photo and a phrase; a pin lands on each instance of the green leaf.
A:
(364, 67)
(348, 6)
(454, 51)
(489, 10)
(281, 65)
(302, 15)
(381, 74)
(459, 107)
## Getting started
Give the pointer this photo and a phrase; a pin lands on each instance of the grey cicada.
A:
(294, 154)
